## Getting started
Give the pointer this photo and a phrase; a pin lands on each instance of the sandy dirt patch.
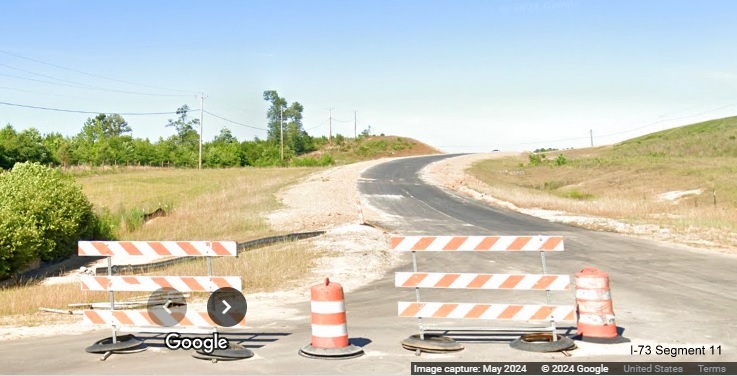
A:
(450, 174)
(322, 200)
(329, 200)
(676, 195)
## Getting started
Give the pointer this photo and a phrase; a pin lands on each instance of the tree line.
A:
(106, 140)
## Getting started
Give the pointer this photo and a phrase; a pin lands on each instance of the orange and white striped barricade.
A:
(550, 313)
(167, 290)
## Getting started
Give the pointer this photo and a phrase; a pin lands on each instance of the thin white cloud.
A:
(720, 75)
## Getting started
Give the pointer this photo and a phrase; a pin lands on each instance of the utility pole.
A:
(330, 126)
(281, 130)
(591, 134)
(354, 125)
(202, 120)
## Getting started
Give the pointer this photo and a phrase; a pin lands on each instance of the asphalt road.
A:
(663, 295)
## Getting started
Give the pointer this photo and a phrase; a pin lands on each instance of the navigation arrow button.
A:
(227, 307)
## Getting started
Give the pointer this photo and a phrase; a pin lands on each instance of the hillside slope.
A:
(682, 180)
(349, 150)
(710, 139)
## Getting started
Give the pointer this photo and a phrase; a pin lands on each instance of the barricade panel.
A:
(153, 283)
(477, 243)
(496, 311)
(483, 281)
(157, 248)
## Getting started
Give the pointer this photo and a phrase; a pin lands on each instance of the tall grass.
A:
(208, 204)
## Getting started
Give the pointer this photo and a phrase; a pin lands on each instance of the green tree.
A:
(144, 152)
(183, 148)
(59, 147)
(24, 146)
(113, 125)
(223, 151)
(296, 138)
(102, 140)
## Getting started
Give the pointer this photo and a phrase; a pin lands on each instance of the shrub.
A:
(324, 160)
(44, 214)
(535, 159)
(552, 185)
(560, 160)
(577, 195)
(20, 241)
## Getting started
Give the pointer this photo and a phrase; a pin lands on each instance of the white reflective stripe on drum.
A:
(599, 320)
(592, 282)
(329, 331)
(593, 294)
(328, 307)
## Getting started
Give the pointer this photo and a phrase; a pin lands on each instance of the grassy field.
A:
(625, 181)
(209, 204)
(226, 204)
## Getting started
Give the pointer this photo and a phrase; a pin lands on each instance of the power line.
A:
(89, 112)
(46, 82)
(648, 125)
(85, 86)
(317, 126)
(235, 122)
(38, 92)
(515, 144)
(675, 118)
(91, 74)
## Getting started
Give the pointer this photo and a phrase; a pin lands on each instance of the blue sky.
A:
(461, 75)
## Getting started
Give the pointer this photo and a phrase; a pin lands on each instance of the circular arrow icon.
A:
(227, 306)
(167, 306)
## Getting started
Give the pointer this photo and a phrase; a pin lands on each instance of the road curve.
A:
(662, 292)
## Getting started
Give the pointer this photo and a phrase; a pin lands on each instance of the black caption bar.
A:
(583, 368)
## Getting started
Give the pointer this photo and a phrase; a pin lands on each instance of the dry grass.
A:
(210, 204)
(623, 181)
(225, 204)
(276, 267)
(262, 270)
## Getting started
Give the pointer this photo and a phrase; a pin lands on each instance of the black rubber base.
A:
(607, 341)
(542, 342)
(211, 358)
(432, 343)
(124, 342)
(234, 352)
(348, 352)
